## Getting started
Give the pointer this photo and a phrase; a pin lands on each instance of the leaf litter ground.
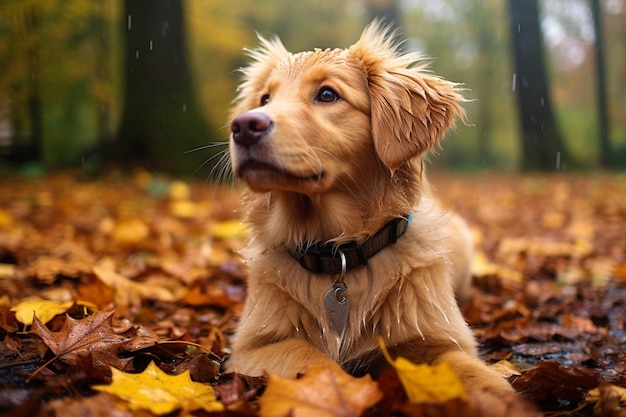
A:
(548, 303)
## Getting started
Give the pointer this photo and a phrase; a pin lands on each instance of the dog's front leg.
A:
(475, 374)
(287, 358)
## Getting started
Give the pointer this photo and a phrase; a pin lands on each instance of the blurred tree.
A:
(603, 113)
(161, 119)
(20, 94)
(543, 148)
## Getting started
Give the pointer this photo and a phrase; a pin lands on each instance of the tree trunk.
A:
(543, 148)
(603, 118)
(32, 150)
(161, 119)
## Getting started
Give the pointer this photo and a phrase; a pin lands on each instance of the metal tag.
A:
(338, 308)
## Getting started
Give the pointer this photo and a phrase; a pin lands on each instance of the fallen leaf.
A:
(47, 268)
(128, 292)
(184, 209)
(549, 382)
(425, 383)
(7, 271)
(95, 405)
(130, 231)
(159, 392)
(6, 220)
(179, 190)
(322, 391)
(45, 310)
(229, 229)
(5, 301)
(78, 338)
(607, 400)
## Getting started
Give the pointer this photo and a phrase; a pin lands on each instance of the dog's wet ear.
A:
(410, 108)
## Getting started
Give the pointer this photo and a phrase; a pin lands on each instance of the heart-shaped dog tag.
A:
(338, 308)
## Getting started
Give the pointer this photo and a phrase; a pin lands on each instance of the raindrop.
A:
(542, 102)
(558, 161)
(184, 108)
(513, 83)
(130, 21)
(151, 45)
(137, 54)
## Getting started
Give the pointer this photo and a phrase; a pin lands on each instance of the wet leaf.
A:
(78, 338)
(159, 392)
(426, 383)
(321, 392)
(45, 310)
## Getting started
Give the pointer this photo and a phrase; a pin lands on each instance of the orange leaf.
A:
(323, 391)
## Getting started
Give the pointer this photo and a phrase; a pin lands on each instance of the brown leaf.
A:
(549, 382)
(78, 338)
(96, 405)
(128, 292)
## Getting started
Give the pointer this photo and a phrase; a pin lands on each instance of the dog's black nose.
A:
(249, 128)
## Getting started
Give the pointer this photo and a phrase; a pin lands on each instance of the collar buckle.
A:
(330, 259)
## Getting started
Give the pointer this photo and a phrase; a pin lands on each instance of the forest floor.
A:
(140, 274)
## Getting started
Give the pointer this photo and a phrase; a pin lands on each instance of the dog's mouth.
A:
(264, 176)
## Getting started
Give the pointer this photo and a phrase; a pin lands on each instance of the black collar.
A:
(325, 258)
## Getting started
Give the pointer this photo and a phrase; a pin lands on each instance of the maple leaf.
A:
(425, 383)
(45, 310)
(159, 392)
(323, 391)
(78, 338)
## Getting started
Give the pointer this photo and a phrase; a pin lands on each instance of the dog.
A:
(347, 243)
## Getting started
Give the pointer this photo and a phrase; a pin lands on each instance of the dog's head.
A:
(311, 121)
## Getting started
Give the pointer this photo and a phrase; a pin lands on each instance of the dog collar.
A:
(326, 258)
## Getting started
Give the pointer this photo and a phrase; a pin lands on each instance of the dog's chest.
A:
(341, 319)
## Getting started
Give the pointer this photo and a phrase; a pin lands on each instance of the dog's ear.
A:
(410, 114)
(410, 108)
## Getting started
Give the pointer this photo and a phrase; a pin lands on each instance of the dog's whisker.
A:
(208, 146)
(223, 169)
(206, 161)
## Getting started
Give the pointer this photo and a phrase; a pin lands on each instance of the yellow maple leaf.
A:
(425, 383)
(159, 392)
(44, 309)
(323, 391)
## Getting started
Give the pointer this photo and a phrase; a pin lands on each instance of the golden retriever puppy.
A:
(347, 242)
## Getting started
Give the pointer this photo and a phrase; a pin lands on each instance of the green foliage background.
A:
(68, 54)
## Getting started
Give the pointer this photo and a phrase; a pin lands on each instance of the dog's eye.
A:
(327, 95)
(265, 99)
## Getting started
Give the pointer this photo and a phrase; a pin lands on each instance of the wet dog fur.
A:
(331, 144)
